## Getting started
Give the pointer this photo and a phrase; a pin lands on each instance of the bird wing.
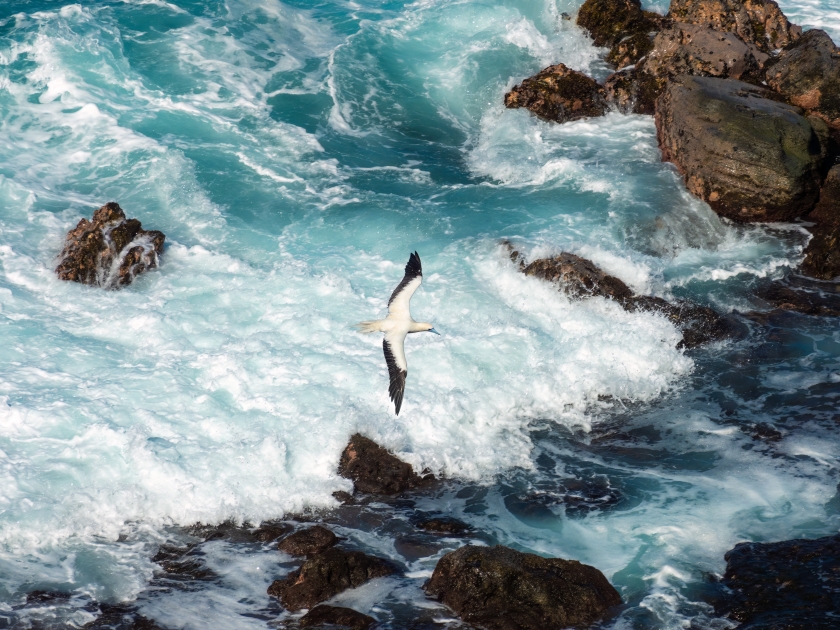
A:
(394, 351)
(398, 305)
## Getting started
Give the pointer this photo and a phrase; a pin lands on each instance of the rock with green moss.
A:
(559, 94)
(750, 156)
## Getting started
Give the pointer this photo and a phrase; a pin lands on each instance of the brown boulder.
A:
(808, 73)
(633, 91)
(578, 277)
(308, 541)
(822, 255)
(818, 299)
(373, 469)
(500, 588)
(92, 247)
(332, 616)
(752, 158)
(558, 94)
(620, 25)
(758, 22)
(698, 324)
(325, 575)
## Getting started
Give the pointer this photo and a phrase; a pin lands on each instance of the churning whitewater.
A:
(293, 153)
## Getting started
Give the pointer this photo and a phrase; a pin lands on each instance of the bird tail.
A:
(369, 327)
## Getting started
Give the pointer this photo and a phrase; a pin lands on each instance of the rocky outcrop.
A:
(808, 73)
(621, 26)
(758, 22)
(752, 158)
(578, 277)
(373, 469)
(325, 575)
(309, 541)
(335, 616)
(793, 584)
(558, 94)
(633, 91)
(109, 251)
(500, 588)
(801, 296)
(444, 525)
(822, 255)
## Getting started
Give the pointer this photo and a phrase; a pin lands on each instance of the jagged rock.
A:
(500, 588)
(444, 525)
(120, 617)
(622, 26)
(325, 575)
(750, 157)
(110, 250)
(578, 277)
(819, 299)
(787, 585)
(375, 470)
(180, 563)
(331, 616)
(633, 91)
(808, 73)
(822, 255)
(46, 597)
(558, 94)
(698, 324)
(308, 541)
(758, 22)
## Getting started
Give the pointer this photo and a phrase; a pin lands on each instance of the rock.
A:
(582, 496)
(750, 157)
(268, 532)
(758, 22)
(633, 91)
(308, 541)
(331, 616)
(92, 248)
(790, 585)
(822, 255)
(325, 575)
(808, 73)
(375, 470)
(620, 25)
(578, 277)
(444, 525)
(46, 597)
(120, 617)
(809, 300)
(179, 563)
(698, 324)
(558, 94)
(498, 587)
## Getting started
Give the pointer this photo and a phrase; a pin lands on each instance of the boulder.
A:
(620, 25)
(444, 525)
(790, 585)
(373, 469)
(309, 541)
(698, 324)
(808, 73)
(325, 575)
(818, 299)
(109, 251)
(633, 91)
(822, 255)
(113, 616)
(758, 22)
(332, 616)
(751, 157)
(558, 94)
(578, 277)
(500, 588)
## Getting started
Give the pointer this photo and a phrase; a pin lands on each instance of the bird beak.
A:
(434, 331)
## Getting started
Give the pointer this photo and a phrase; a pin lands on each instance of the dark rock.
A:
(822, 255)
(578, 277)
(620, 25)
(180, 563)
(698, 324)
(559, 94)
(582, 496)
(415, 547)
(120, 617)
(308, 541)
(633, 91)
(500, 588)
(268, 532)
(336, 616)
(808, 73)
(444, 525)
(46, 597)
(763, 432)
(375, 470)
(758, 22)
(92, 247)
(813, 300)
(326, 575)
(750, 157)
(788, 585)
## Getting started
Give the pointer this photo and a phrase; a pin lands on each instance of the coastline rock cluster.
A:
(747, 106)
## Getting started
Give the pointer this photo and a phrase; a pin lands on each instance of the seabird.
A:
(396, 326)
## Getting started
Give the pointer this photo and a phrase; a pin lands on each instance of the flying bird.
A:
(396, 326)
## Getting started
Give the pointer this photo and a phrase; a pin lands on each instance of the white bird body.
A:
(396, 326)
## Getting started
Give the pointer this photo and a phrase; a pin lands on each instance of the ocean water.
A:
(294, 153)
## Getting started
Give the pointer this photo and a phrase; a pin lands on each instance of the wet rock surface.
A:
(559, 94)
(578, 277)
(443, 525)
(750, 157)
(802, 296)
(121, 617)
(308, 541)
(336, 617)
(182, 563)
(822, 255)
(109, 251)
(620, 25)
(790, 585)
(633, 91)
(498, 587)
(373, 469)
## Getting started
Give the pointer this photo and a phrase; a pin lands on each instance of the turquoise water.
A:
(294, 154)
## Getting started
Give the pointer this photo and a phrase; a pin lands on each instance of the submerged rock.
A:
(444, 525)
(819, 299)
(325, 575)
(335, 616)
(180, 563)
(620, 25)
(750, 157)
(758, 22)
(822, 255)
(308, 541)
(790, 585)
(109, 251)
(498, 587)
(375, 470)
(558, 94)
(808, 73)
(698, 324)
(121, 617)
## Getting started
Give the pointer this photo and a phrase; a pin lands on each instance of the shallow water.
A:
(294, 154)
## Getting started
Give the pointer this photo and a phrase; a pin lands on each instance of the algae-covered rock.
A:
(622, 26)
(558, 94)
